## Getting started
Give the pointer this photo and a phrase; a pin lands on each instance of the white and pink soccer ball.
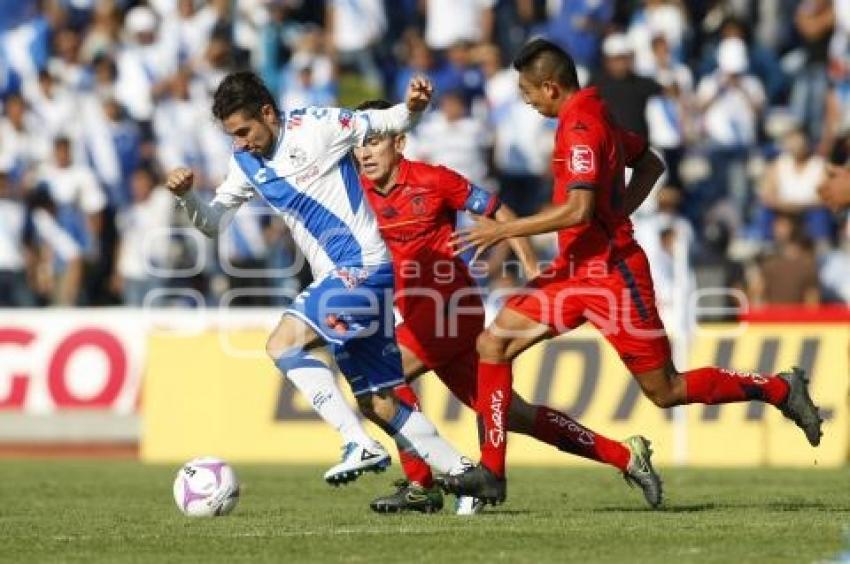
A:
(206, 487)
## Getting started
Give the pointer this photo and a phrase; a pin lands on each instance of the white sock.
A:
(316, 382)
(413, 432)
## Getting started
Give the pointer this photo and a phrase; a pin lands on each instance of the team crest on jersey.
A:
(581, 160)
(389, 212)
(419, 205)
(297, 156)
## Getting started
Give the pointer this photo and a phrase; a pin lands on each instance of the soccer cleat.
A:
(798, 405)
(468, 505)
(409, 497)
(357, 459)
(640, 471)
(476, 481)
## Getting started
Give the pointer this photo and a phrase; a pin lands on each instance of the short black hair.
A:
(376, 104)
(544, 60)
(241, 92)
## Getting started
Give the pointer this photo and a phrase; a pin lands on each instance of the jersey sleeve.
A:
(341, 130)
(460, 194)
(634, 146)
(582, 150)
(212, 218)
(340, 126)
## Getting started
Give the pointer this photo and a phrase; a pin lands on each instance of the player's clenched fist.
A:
(179, 181)
(419, 91)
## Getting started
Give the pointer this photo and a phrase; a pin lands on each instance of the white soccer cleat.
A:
(357, 459)
(468, 505)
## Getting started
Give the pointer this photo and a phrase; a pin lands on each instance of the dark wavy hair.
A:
(241, 92)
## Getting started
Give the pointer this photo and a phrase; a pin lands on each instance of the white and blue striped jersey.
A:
(312, 182)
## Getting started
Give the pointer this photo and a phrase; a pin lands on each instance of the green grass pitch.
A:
(106, 511)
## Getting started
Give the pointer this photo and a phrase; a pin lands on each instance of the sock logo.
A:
(757, 378)
(577, 432)
(496, 435)
(321, 399)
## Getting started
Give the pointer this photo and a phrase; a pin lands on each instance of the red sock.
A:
(416, 469)
(712, 385)
(568, 435)
(494, 401)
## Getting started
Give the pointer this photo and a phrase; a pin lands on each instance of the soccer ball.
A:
(206, 487)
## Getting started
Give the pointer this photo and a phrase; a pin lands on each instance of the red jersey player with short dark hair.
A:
(416, 205)
(601, 275)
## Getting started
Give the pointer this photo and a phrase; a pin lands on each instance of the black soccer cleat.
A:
(477, 481)
(409, 497)
(799, 407)
(640, 471)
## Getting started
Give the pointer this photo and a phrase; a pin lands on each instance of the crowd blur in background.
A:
(746, 101)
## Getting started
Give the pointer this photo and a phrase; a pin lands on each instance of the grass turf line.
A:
(109, 511)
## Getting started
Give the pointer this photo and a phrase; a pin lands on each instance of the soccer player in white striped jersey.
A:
(300, 164)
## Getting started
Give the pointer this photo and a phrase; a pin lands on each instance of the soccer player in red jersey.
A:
(601, 274)
(416, 205)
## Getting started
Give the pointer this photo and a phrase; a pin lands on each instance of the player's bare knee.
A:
(385, 406)
(662, 397)
(367, 407)
(490, 347)
(278, 345)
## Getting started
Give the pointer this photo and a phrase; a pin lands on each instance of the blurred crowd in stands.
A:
(747, 101)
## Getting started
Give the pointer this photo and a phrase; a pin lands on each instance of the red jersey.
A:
(417, 217)
(591, 153)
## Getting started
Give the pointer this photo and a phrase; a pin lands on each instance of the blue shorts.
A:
(352, 310)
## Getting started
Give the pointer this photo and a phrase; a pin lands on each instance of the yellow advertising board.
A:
(215, 394)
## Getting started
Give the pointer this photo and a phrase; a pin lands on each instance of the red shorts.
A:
(619, 301)
(446, 343)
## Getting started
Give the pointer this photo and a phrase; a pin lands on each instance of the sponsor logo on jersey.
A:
(307, 175)
(262, 175)
(581, 160)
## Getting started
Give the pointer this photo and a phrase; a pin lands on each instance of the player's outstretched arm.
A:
(520, 245)
(210, 219)
(402, 117)
(645, 173)
(577, 210)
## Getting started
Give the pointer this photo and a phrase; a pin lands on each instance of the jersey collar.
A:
(279, 141)
(576, 99)
(400, 179)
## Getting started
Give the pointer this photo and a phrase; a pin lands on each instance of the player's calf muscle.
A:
(521, 415)
(664, 386)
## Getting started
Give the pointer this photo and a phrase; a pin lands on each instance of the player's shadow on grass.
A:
(699, 507)
(496, 512)
(693, 508)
